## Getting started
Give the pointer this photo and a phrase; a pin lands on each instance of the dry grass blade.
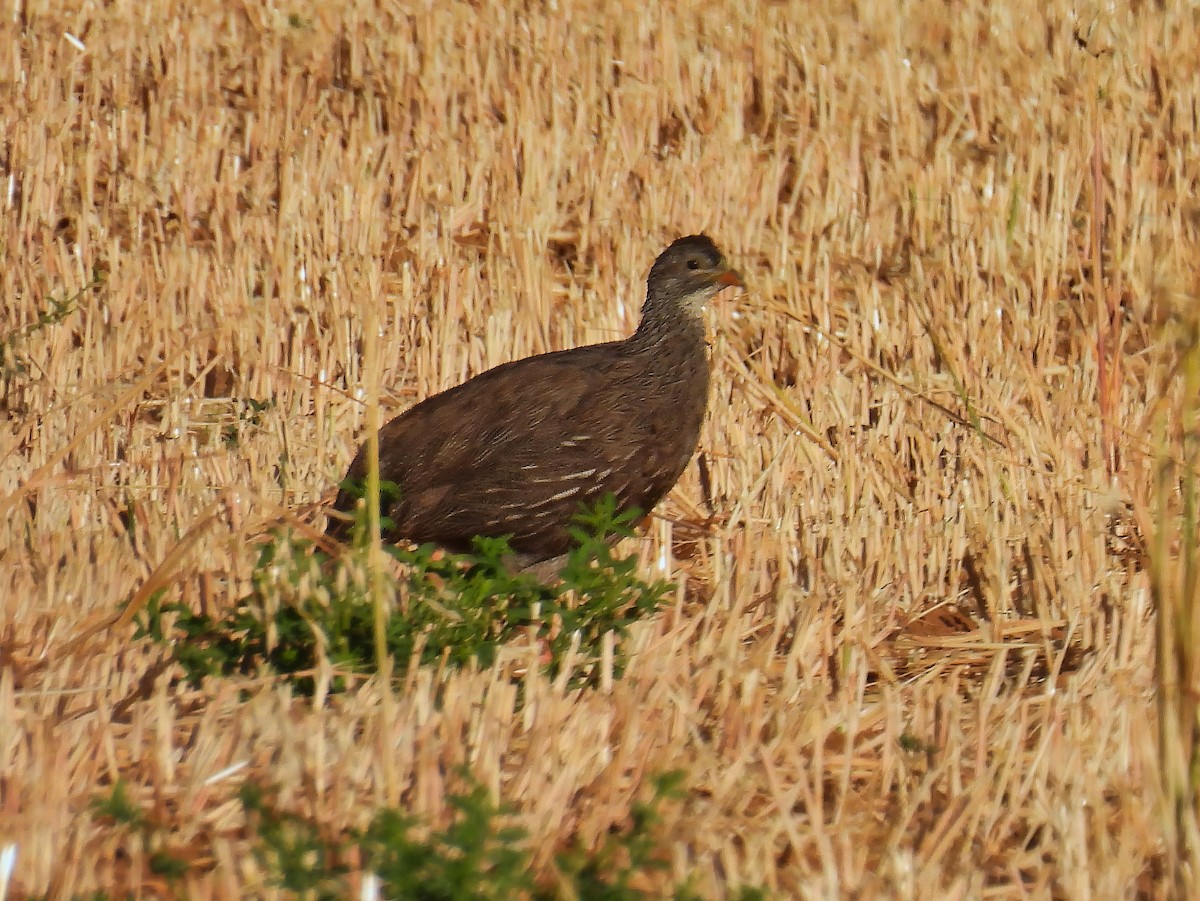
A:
(899, 661)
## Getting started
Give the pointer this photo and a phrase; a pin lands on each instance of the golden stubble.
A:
(911, 653)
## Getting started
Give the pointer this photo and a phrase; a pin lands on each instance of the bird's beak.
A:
(730, 278)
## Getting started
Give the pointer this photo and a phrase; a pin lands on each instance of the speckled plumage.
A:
(516, 450)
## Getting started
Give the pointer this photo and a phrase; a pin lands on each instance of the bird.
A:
(518, 450)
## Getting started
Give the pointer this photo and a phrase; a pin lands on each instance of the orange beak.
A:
(730, 278)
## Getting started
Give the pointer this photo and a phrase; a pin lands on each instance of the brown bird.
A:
(516, 450)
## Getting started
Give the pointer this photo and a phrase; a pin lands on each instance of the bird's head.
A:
(685, 277)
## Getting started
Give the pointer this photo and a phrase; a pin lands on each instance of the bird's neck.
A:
(680, 330)
(670, 357)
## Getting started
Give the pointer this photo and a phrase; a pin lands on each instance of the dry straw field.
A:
(910, 651)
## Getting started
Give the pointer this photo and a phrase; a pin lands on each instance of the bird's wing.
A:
(537, 434)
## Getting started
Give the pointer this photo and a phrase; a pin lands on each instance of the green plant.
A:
(475, 856)
(306, 608)
(293, 849)
(249, 416)
(606, 874)
(154, 836)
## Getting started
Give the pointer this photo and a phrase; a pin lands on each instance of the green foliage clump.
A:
(606, 873)
(120, 809)
(476, 856)
(307, 607)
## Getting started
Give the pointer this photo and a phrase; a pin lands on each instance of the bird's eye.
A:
(693, 263)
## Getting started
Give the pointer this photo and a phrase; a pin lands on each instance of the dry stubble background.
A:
(911, 651)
